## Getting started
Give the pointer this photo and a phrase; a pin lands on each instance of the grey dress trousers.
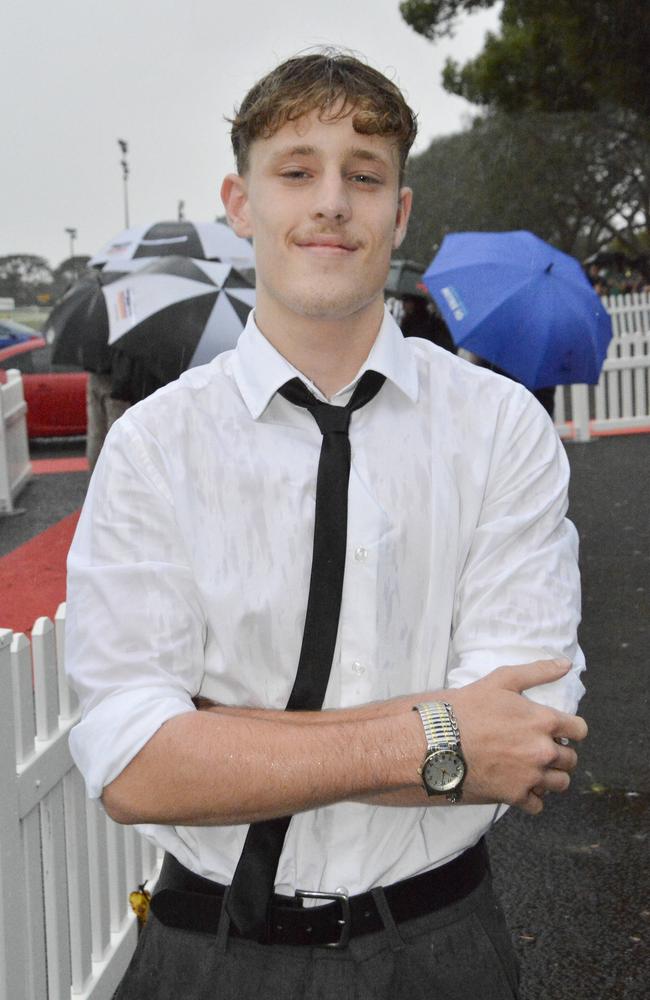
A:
(461, 952)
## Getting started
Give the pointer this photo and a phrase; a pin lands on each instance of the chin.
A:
(329, 303)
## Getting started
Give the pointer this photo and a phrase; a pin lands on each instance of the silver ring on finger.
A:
(562, 740)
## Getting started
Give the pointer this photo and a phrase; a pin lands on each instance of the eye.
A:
(295, 174)
(368, 179)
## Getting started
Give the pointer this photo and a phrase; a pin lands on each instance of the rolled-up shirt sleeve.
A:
(518, 595)
(135, 630)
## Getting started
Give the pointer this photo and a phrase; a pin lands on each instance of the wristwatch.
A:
(443, 769)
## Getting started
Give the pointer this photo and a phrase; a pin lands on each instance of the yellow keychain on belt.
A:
(139, 901)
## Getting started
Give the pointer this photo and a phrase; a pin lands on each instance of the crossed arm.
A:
(225, 765)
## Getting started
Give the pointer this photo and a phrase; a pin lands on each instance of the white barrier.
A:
(15, 467)
(620, 403)
(66, 928)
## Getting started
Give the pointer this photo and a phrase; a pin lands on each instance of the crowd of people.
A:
(614, 281)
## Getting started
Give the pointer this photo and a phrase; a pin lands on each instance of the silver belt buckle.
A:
(343, 921)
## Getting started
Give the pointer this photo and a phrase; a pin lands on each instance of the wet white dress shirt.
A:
(189, 574)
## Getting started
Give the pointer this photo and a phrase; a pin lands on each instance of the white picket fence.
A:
(15, 467)
(66, 927)
(620, 403)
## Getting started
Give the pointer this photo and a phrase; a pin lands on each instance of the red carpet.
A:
(33, 576)
(45, 465)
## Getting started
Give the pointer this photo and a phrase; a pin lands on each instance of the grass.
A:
(31, 316)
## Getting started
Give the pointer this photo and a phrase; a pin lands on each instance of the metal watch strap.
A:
(440, 726)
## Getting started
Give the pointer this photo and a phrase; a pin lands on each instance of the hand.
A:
(509, 741)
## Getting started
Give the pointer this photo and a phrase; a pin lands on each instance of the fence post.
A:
(580, 411)
(13, 958)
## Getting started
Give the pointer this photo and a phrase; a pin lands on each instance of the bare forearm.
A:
(413, 796)
(228, 766)
(237, 765)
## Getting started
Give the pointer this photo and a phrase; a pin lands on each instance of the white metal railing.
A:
(15, 467)
(66, 869)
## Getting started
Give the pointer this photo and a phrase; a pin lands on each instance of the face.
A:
(323, 206)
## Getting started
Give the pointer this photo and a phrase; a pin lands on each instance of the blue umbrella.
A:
(521, 304)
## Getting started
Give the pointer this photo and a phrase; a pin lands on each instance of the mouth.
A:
(327, 246)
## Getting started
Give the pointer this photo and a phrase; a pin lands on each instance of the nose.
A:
(331, 198)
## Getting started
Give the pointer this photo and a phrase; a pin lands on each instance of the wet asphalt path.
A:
(575, 882)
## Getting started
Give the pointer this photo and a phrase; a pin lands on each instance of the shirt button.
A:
(360, 554)
(358, 668)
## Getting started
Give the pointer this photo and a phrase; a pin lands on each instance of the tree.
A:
(23, 277)
(576, 179)
(67, 272)
(551, 55)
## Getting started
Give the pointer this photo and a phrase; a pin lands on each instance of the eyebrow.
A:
(355, 153)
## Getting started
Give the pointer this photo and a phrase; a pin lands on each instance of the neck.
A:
(329, 352)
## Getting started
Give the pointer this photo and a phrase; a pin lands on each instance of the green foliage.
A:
(575, 179)
(23, 277)
(437, 18)
(551, 55)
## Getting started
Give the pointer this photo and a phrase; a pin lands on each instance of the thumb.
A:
(527, 675)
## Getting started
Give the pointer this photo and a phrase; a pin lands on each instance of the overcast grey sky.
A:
(77, 74)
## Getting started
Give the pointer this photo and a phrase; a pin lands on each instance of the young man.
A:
(223, 563)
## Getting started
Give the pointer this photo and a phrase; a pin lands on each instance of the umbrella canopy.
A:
(201, 240)
(77, 326)
(173, 314)
(521, 304)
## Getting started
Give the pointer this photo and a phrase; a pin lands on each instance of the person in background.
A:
(309, 587)
(420, 318)
(545, 395)
(101, 411)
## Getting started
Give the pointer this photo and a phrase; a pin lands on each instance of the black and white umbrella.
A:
(171, 315)
(200, 240)
(77, 326)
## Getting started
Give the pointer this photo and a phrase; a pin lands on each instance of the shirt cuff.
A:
(563, 694)
(113, 732)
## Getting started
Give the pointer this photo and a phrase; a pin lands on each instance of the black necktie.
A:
(254, 878)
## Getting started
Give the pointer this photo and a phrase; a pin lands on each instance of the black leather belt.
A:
(194, 903)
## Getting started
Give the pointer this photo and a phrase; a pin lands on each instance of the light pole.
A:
(124, 146)
(181, 211)
(72, 233)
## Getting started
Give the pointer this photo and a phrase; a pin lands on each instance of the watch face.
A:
(443, 770)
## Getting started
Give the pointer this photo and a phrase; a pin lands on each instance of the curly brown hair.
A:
(335, 82)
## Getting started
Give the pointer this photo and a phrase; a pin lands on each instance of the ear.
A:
(404, 203)
(234, 196)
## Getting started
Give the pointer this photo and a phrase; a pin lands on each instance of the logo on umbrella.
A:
(453, 300)
(124, 304)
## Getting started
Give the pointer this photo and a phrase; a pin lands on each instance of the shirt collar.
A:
(260, 370)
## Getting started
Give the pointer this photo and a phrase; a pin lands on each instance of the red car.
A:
(55, 394)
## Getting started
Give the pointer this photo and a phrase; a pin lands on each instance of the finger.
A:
(527, 675)
(566, 759)
(556, 781)
(572, 727)
(532, 804)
